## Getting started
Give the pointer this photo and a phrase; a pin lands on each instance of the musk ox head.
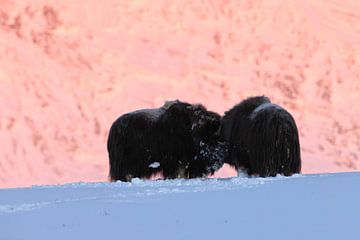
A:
(205, 124)
(194, 119)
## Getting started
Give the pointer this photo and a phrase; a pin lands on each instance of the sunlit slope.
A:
(68, 69)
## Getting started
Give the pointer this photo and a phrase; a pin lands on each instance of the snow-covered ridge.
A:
(298, 207)
(120, 190)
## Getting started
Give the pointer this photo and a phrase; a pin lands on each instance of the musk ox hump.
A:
(150, 114)
(263, 107)
(168, 104)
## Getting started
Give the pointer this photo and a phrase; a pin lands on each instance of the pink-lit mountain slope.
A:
(69, 68)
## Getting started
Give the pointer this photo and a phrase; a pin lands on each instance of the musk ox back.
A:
(262, 137)
(176, 140)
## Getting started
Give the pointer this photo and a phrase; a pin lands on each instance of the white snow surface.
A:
(298, 207)
(262, 107)
(154, 165)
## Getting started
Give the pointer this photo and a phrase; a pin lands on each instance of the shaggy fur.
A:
(176, 140)
(263, 138)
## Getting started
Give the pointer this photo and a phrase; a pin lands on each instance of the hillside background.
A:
(68, 69)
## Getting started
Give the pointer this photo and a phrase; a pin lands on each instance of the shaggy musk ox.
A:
(263, 138)
(176, 140)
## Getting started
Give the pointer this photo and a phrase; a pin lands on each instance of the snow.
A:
(152, 114)
(154, 165)
(264, 106)
(299, 207)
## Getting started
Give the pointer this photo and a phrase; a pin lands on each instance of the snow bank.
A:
(298, 207)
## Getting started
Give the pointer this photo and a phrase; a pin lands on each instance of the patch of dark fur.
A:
(170, 135)
(262, 138)
(212, 155)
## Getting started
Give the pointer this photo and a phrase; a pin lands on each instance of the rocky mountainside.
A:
(69, 68)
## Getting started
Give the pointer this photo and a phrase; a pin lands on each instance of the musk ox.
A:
(175, 140)
(262, 138)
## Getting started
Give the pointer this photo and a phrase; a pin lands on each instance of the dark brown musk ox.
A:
(177, 140)
(262, 138)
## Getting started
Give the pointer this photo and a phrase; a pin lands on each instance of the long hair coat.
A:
(175, 140)
(262, 137)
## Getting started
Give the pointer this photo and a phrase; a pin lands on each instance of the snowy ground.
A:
(298, 207)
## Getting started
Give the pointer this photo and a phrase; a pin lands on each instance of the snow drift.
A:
(297, 207)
